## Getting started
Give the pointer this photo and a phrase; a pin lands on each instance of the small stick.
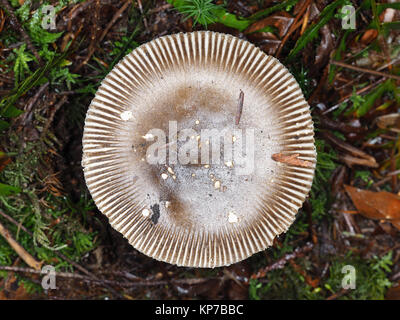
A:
(21, 30)
(240, 107)
(59, 254)
(280, 264)
(116, 16)
(52, 114)
(25, 255)
(139, 2)
(358, 92)
(125, 284)
(376, 73)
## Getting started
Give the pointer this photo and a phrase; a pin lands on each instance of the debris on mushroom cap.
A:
(184, 78)
(126, 115)
(164, 176)
(232, 218)
(145, 212)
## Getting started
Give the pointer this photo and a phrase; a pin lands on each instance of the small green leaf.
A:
(4, 125)
(374, 95)
(6, 190)
(268, 11)
(12, 112)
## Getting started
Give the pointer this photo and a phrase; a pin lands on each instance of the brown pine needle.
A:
(376, 73)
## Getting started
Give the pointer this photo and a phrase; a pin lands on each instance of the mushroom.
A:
(244, 105)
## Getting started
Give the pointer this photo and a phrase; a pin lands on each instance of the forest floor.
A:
(350, 77)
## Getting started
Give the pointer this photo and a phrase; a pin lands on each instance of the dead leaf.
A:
(376, 205)
(282, 22)
(13, 289)
(389, 121)
(369, 36)
(393, 293)
(291, 159)
(266, 41)
(353, 156)
(326, 46)
(396, 223)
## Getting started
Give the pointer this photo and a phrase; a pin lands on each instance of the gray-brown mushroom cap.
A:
(198, 215)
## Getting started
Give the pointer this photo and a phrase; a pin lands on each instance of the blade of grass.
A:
(266, 12)
(371, 97)
(30, 82)
(312, 31)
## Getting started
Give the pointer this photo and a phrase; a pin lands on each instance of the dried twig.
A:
(31, 103)
(139, 2)
(376, 73)
(116, 16)
(73, 263)
(52, 114)
(299, 252)
(296, 23)
(25, 255)
(358, 92)
(337, 294)
(161, 8)
(125, 284)
(291, 159)
(21, 30)
(356, 155)
(240, 107)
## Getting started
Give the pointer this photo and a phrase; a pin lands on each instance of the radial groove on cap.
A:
(185, 77)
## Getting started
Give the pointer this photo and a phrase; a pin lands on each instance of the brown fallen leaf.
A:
(282, 21)
(389, 121)
(325, 47)
(376, 205)
(354, 161)
(369, 36)
(396, 223)
(291, 159)
(393, 293)
(13, 289)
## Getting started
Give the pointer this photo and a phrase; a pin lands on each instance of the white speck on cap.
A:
(126, 115)
(197, 121)
(170, 170)
(232, 218)
(148, 136)
(145, 212)
(217, 184)
(164, 176)
(229, 164)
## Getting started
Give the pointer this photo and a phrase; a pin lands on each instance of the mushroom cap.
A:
(198, 215)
